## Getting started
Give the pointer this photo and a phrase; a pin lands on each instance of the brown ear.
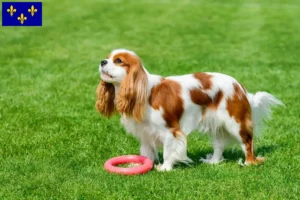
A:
(132, 95)
(105, 98)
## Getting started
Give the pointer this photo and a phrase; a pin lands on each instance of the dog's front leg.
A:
(175, 150)
(149, 150)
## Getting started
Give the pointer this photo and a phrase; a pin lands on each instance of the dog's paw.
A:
(163, 168)
(210, 160)
(254, 161)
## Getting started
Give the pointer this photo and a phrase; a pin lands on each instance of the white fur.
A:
(152, 131)
(261, 103)
(111, 73)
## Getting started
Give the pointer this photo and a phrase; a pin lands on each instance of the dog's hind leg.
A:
(219, 141)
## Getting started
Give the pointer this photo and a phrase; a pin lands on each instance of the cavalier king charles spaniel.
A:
(162, 111)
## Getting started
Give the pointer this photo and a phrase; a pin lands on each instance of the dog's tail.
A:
(261, 103)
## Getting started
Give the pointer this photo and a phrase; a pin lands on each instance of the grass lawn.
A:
(53, 143)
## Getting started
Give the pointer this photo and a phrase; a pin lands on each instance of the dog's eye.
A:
(118, 61)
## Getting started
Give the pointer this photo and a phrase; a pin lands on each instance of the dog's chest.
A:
(144, 130)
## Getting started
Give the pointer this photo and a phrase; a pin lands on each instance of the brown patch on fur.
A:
(105, 98)
(177, 133)
(216, 101)
(239, 108)
(200, 97)
(167, 95)
(127, 60)
(132, 95)
(205, 80)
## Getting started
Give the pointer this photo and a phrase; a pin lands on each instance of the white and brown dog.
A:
(164, 110)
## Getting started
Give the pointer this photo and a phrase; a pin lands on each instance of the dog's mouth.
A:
(106, 75)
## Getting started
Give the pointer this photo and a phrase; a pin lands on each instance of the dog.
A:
(162, 111)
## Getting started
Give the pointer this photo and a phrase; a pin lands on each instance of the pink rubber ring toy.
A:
(146, 165)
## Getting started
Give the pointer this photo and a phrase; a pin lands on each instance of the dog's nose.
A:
(103, 62)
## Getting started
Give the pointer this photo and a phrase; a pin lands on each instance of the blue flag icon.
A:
(22, 14)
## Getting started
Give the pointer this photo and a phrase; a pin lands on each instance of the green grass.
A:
(53, 144)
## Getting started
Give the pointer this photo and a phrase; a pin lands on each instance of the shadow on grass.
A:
(231, 155)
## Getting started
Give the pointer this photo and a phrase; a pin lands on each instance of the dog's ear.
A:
(132, 95)
(105, 98)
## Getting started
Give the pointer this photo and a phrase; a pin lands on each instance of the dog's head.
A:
(122, 77)
(118, 64)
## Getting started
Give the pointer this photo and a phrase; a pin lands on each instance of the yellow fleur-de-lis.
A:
(32, 10)
(22, 18)
(11, 10)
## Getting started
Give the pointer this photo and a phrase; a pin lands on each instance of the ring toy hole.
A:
(144, 165)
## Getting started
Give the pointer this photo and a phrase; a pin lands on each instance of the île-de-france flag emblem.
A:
(22, 14)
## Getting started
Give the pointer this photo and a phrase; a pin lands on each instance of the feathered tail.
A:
(261, 103)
